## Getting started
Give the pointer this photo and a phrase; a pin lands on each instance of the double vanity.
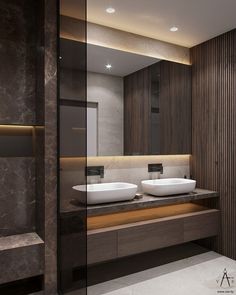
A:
(138, 113)
(121, 223)
(118, 230)
(122, 191)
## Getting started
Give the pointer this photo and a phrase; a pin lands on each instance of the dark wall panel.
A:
(162, 90)
(213, 162)
(51, 13)
(28, 156)
(175, 108)
(137, 112)
(18, 61)
(17, 195)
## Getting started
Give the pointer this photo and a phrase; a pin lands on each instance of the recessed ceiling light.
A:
(108, 66)
(174, 29)
(110, 10)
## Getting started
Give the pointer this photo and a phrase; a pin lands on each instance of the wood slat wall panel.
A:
(174, 131)
(213, 162)
(175, 108)
(137, 112)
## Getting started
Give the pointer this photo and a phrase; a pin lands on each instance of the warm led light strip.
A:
(16, 126)
(121, 162)
(6, 130)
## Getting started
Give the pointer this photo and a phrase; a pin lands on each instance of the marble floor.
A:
(198, 275)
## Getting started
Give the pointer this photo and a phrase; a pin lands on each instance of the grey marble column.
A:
(51, 15)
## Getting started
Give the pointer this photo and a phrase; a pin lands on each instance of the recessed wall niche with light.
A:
(23, 155)
(16, 141)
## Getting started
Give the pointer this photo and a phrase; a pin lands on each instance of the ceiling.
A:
(123, 63)
(197, 20)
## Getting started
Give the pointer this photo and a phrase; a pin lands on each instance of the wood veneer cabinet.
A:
(125, 239)
(157, 110)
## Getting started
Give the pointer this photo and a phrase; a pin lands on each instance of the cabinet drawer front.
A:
(130, 239)
(101, 247)
(149, 237)
(201, 226)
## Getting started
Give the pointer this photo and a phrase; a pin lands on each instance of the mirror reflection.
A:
(134, 103)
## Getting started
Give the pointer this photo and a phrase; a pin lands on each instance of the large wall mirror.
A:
(137, 105)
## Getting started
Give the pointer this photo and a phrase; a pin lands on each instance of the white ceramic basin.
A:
(108, 192)
(168, 186)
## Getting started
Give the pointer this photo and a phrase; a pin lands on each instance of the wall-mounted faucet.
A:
(153, 168)
(95, 171)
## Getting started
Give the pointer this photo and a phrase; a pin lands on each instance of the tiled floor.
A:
(199, 275)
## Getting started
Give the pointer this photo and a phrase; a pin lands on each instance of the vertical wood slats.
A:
(175, 108)
(174, 131)
(213, 162)
(137, 112)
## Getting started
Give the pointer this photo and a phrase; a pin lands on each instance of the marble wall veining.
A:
(39, 138)
(18, 62)
(17, 195)
(28, 96)
(19, 83)
(21, 263)
(20, 257)
(50, 157)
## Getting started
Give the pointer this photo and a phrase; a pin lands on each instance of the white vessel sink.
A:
(168, 186)
(108, 192)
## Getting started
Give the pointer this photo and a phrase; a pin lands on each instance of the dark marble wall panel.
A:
(51, 59)
(18, 61)
(28, 83)
(39, 138)
(39, 104)
(39, 134)
(17, 195)
(20, 257)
